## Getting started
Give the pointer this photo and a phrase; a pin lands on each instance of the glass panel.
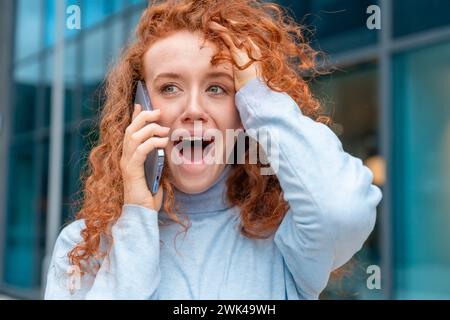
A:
(69, 159)
(114, 6)
(429, 14)
(49, 32)
(339, 25)
(132, 2)
(351, 98)
(115, 31)
(43, 154)
(421, 171)
(21, 223)
(71, 81)
(26, 97)
(132, 23)
(93, 12)
(28, 28)
(46, 85)
(93, 70)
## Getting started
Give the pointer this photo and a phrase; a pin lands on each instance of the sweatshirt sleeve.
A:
(131, 271)
(330, 193)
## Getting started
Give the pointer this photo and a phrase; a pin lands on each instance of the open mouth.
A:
(194, 149)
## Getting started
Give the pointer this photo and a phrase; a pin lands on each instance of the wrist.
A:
(128, 199)
(138, 205)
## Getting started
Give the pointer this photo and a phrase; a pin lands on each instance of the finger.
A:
(136, 110)
(256, 52)
(240, 55)
(216, 26)
(229, 42)
(142, 118)
(223, 33)
(148, 131)
(145, 148)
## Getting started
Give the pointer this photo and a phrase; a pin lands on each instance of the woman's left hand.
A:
(241, 77)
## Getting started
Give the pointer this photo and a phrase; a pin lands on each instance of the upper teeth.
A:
(194, 139)
(191, 138)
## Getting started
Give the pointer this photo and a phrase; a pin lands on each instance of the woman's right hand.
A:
(141, 137)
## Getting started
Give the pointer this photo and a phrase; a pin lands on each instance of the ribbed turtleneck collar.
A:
(211, 200)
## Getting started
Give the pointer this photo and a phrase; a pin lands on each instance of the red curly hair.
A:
(286, 56)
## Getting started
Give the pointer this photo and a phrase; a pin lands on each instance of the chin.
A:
(191, 179)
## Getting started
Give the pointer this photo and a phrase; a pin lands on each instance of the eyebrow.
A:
(173, 75)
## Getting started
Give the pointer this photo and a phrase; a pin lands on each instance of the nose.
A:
(194, 110)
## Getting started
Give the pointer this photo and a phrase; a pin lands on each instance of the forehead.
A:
(182, 50)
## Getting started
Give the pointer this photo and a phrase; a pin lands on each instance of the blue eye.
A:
(164, 89)
(221, 90)
(171, 89)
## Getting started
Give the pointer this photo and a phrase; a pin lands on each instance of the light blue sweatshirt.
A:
(332, 212)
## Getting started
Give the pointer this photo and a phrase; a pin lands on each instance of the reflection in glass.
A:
(71, 82)
(417, 15)
(421, 172)
(46, 86)
(114, 6)
(339, 25)
(21, 220)
(350, 97)
(26, 80)
(28, 26)
(70, 158)
(94, 67)
(49, 31)
(116, 32)
(93, 12)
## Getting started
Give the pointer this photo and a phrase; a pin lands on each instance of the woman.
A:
(223, 65)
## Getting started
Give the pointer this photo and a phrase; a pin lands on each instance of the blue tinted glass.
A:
(46, 86)
(94, 68)
(49, 29)
(421, 171)
(116, 31)
(21, 224)
(133, 21)
(93, 12)
(71, 81)
(339, 25)
(29, 19)
(69, 161)
(136, 1)
(418, 15)
(42, 167)
(26, 79)
(115, 6)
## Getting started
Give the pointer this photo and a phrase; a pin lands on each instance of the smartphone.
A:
(154, 163)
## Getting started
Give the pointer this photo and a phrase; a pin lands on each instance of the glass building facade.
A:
(389, 98)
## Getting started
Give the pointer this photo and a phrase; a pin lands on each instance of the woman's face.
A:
(195, 99)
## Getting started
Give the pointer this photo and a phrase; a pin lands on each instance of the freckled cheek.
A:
(167, 118)
(226, 116)
(168, 115)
